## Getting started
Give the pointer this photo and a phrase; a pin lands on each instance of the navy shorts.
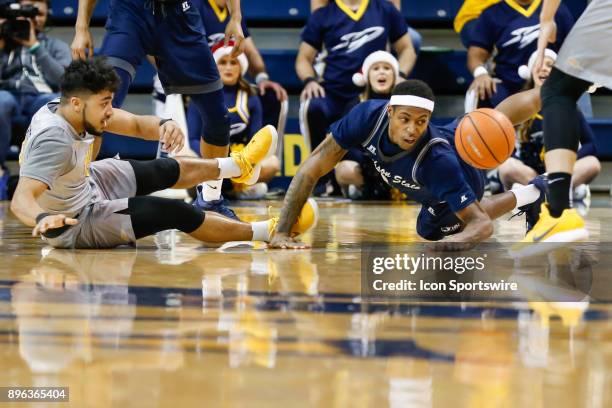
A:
(173, 32)
(437, 220)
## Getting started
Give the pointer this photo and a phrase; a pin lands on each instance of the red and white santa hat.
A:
(525, 71)
(361, 78)
(219, 50)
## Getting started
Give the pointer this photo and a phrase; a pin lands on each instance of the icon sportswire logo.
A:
(524, 36)
(354, 41)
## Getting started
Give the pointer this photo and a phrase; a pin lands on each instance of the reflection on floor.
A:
(173, 323)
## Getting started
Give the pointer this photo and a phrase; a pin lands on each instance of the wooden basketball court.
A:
(175, 324)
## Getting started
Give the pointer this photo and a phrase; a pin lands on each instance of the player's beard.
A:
(89, 128)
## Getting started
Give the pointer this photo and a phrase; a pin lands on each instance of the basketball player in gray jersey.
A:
(74, 203)
(585, 58)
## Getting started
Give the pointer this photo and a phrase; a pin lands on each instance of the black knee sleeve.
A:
(560, 93)
(153, 214)
(155, 175)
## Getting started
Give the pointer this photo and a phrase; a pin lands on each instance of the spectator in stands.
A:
(245, 113)
(215, 17)
(416, 38)
(466, 18)
(527, 162)
(349, 31)
(510, 28)
(30, 72)
(356, 174)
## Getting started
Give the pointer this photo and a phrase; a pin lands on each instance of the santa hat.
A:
(525, 71)
(361, 78)
(219, 50)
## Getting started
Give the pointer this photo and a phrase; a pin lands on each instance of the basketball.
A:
(484, 138)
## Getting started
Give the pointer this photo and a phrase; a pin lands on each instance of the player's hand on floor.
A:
(312, 90)
(281, 93)
(282, 241)
(52, 222)
(171, 136)
(82, 45)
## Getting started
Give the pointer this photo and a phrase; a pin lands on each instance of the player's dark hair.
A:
(91, 76)
(414, 87)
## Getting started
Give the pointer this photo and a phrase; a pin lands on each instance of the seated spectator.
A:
(245, 113)
(466, 17)
(215, 17)
(416, 38)
(356, 174)
(528, 161)
(30, 72)
(348, 31)
(510, 28)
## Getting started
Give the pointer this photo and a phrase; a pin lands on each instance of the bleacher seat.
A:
(65, 11)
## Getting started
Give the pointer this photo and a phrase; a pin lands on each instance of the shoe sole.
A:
(315, 210)
(555, 241)
(274, 144)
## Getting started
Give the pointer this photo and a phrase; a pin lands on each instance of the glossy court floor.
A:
(176, 324)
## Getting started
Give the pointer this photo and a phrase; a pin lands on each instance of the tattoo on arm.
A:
(320, 162)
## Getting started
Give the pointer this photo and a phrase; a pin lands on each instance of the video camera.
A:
(17, 24)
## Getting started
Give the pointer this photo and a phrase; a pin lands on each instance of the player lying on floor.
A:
(77, 204)
(420, 159)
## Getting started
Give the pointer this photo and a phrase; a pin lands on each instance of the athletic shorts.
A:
(173, 32)
(436, 221)
(113, 181)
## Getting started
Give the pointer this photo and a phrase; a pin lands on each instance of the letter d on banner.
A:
(295, 153)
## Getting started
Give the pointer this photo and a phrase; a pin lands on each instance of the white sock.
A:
(211, 190)
(525, 195)
(228, 168)
(261, 231)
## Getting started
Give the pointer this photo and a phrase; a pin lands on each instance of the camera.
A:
(17, 24)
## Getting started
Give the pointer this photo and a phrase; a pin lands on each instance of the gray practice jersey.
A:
(55, 154)
(586, 52)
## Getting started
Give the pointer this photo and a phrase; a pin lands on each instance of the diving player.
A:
(419, 159)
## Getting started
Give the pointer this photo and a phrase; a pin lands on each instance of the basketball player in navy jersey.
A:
(172, 31)
(411, 154)
(511, 29)
(348, 31)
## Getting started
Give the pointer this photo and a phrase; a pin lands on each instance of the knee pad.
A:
(214, 116)
(121, 92)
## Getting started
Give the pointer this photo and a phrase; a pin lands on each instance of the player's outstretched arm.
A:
(478, 227)
(82, 45)
(233, 29)
(548, 30)
(26, 208)
(522, 106)
(320, 162)
(147, 127)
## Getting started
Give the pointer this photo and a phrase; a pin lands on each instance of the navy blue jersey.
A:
(215, 20)
(513, 31)
(245, 114)
(431, 173)
(349, 37)
(531, 142)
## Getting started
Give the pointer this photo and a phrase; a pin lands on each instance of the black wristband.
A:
(40, 216)
(403, 75)
(161, 122)
(309, 80)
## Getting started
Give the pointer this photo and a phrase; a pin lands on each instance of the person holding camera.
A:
(31, 65)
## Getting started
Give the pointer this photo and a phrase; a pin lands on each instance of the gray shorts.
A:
(585, 53)
(113, 182)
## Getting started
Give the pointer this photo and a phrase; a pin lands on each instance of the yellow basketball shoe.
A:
(261, 146)
(569, 227)
(307, 220)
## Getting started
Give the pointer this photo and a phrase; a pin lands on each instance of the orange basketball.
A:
(484, 138)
